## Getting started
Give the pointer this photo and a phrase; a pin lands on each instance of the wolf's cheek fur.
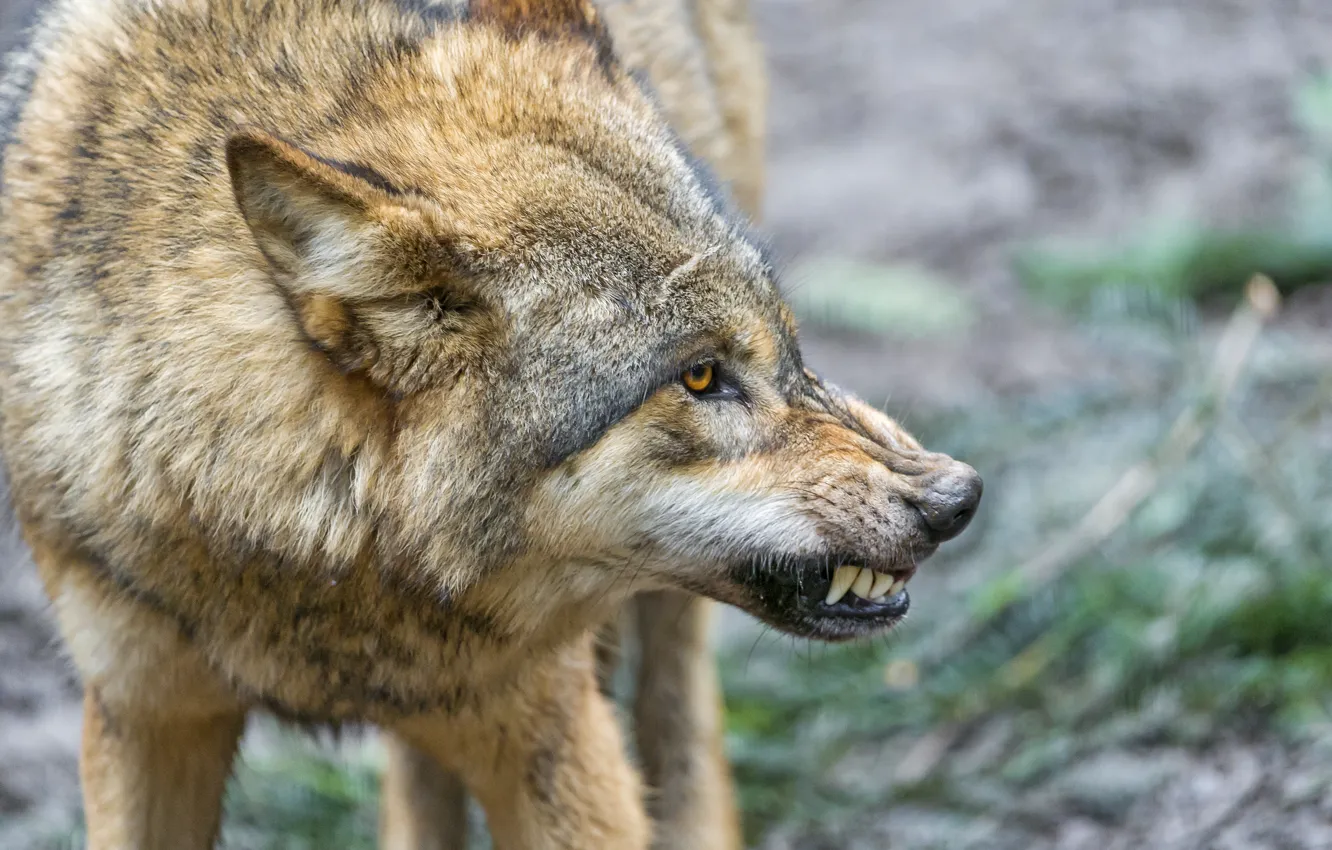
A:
(689, 491)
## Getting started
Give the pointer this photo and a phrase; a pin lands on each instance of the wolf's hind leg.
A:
(423, 806)
(679, 722)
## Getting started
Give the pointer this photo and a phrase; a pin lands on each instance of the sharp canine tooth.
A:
(864, 581)
(882, 582)
(841, 583)
(898, 587)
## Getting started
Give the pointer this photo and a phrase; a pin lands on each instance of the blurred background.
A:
(1025, 228)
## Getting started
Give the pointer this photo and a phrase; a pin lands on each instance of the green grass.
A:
(301, 799)
(1177, 261)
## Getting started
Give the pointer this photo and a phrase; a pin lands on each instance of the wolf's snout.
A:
(949, 500)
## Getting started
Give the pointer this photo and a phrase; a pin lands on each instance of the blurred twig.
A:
(921, 760)
(1260, 303)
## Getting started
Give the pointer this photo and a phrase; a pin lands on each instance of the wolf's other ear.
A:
(550, 18)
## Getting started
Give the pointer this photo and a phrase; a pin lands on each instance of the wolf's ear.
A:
(320, 223)
(550, 18)
(372, 280)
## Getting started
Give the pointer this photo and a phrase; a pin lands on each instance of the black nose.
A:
(949, 501)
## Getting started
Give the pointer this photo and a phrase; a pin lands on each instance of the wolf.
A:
(358, 359)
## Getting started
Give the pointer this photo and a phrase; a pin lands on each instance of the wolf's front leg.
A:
(679, 721)
(153, 783)
(545, 760)
(160, 729)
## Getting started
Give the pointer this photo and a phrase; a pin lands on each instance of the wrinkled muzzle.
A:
(813, 517)
(879, 505)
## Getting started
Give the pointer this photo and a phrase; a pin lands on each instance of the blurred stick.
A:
(1259, 305)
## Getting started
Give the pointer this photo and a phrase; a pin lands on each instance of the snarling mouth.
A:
(855, 587)
(831, 599)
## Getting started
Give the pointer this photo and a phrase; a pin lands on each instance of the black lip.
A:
(865, 609)
(789, 595)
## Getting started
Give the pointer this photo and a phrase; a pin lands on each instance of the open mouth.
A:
(855, 591)
(829, 599)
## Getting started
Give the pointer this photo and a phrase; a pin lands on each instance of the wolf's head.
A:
(583, 353)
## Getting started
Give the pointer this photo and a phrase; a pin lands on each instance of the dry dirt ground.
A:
(942, 134)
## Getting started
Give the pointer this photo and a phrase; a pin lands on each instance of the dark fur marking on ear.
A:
(360, 172)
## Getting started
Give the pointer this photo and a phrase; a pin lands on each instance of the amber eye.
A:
(699, 377)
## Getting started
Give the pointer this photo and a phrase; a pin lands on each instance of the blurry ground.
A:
(945, 133)
(914, 148)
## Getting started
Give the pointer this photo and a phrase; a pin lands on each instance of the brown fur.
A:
(339, 357)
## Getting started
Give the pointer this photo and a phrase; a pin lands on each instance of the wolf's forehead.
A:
(578, 367)
(720, 292)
